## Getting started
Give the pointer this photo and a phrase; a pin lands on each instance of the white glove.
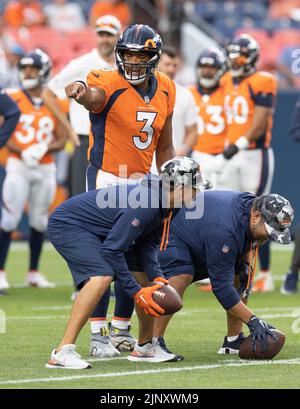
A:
(32, 155)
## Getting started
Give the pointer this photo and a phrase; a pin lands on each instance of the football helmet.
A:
(138, 38)
(242, 52)
(183, 171)
(277, 214)
(36, 58)
(212, 57)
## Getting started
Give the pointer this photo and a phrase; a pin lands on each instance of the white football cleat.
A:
(67, 358)
(36, 279)
(101, 345)
(4, 284)
(264, 283)
(151, 352)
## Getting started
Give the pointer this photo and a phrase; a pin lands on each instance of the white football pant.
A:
(249, 171)
(22, 184)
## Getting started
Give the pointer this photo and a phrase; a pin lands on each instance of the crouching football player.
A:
(93, 240)
(233, 224)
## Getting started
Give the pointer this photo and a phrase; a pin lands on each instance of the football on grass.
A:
(274, 348)
(167, 298)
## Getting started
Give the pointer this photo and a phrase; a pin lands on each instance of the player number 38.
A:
(43, 132)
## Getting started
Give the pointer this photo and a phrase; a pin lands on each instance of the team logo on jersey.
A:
(225, 249)
(136, 222)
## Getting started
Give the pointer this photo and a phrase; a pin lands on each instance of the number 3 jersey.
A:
(241, 97)
(36, 123)
(211, 120)
(126, 131)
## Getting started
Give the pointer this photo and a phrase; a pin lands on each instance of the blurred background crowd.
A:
(64, 29)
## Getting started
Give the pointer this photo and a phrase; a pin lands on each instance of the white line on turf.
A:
(120, 358)
(294, 361)
(53, 308)
(39, 317)
(291, 315)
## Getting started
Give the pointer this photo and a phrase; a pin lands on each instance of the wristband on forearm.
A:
(81, 82)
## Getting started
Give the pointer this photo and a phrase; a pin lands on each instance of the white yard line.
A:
(294, 361)
(278, 308)
(39, 317)
(57, 284)
(291, 315)
(120, 358)
(54, 308)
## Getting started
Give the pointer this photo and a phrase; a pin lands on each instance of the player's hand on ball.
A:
(143, 299)
(75, 90)
(259, 331)
(161, 280)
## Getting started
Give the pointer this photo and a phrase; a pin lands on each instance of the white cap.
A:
(108, 24)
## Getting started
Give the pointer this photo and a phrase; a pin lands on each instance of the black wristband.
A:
(81, 82)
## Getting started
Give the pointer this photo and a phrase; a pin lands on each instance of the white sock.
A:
(233, 338)
(96, 325)
(120, 324)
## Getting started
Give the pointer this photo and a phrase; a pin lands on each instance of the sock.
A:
(120, 323)
(97, 324)
(233, 338)
(5, 239)
(124, 305)
(145, 343)
(35, 243)
(264, 257)
(100, 311)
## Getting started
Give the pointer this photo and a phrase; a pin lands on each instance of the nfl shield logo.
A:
(146, 99)
(225, 249)
(135, 222)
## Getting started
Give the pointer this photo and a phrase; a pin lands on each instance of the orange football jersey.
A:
(127, 129)
(241, 97)
(36, 124)
(211, 120)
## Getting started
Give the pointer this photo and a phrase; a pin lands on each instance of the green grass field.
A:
(36, 320)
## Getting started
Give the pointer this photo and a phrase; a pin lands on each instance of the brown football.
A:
(167, 298)
(246, 352)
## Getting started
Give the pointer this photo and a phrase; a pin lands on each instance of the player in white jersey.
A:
(30, 171)
(184, 121)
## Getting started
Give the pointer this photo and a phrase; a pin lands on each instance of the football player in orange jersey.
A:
(249, 102)
(209, 98)
(131, 118)
(30, 171)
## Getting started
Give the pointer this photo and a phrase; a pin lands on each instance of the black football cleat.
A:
(233, 347)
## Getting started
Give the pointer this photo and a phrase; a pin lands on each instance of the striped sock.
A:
(120, 323)
(97, 324)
